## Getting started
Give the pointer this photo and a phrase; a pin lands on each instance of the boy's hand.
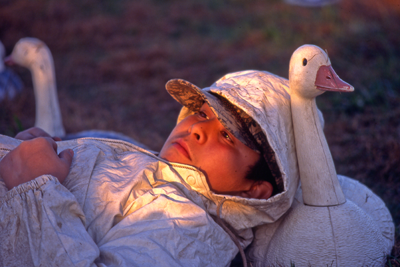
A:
(34, 132)
(34, 158)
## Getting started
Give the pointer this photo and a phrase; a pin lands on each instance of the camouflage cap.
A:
(231, 117)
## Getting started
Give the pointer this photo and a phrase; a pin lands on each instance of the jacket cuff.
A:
(34, 184)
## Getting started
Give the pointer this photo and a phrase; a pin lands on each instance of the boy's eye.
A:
(202, 114)
(226, 136)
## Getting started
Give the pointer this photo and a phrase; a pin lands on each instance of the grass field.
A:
(113, 59)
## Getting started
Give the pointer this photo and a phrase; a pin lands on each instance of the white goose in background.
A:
(34, 55)
(334, 220)
(10, 83)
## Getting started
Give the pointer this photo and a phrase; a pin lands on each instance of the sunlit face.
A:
(202, 141)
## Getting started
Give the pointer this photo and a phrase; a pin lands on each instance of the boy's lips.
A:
(182, 147)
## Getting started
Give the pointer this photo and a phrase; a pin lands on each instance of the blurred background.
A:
(113, 57)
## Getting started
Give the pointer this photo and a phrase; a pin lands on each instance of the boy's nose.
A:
(197, 136)
(199, 131)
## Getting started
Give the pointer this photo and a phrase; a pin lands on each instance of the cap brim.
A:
(186, 93)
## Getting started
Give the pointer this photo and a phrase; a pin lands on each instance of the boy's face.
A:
(202, 141)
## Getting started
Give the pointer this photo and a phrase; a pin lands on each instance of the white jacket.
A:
(123, 206)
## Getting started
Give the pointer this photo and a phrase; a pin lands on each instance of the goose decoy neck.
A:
(318, 176)
(36, 56)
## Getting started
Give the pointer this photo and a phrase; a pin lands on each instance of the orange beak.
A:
(328, 80)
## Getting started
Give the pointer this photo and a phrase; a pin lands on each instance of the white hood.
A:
(265, 98)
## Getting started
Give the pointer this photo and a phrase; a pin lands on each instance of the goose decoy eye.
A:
(304, 61)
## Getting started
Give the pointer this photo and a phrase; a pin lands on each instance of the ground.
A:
(113, 58)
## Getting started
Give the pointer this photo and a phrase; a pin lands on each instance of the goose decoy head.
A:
(25, 52)
(311, 73)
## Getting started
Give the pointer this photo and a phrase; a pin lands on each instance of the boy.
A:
(230, 160)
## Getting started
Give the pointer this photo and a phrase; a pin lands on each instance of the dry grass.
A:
(113, 58)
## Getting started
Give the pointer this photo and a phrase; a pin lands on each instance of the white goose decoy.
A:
(34, 55)
(334, 220)
(10, 83)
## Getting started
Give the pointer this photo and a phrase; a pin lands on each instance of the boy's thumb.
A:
(66, 156)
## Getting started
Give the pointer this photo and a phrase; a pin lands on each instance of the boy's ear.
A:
(259, 189)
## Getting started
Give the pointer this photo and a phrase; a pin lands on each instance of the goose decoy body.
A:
(334, 220)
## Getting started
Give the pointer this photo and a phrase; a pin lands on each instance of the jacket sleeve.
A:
(41, 224)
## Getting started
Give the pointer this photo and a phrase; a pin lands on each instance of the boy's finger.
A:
(24, 136)
(56, 138)
(52, 143)
(38, 132)
(66, 160)
(66, 156)
(31, 133)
